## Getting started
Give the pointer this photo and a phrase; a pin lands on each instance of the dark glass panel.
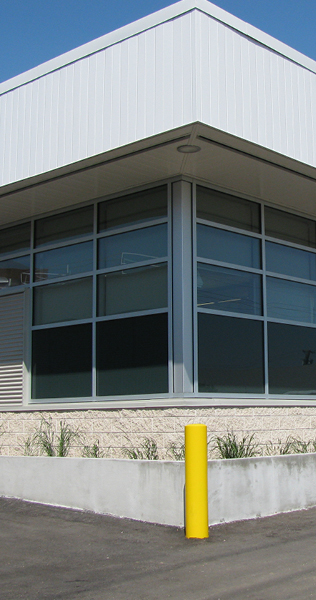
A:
(62, 262)
(229, 290)
(145, 288)
(62, 362)
(134, 208)
(226, 209)
(290, 261)
(16, 238)
(65, 226)
(292, 359)
(15, 271)
(291, 301)
(133, 246)
(226, 246)
(230, 354)
(286, 226)
(132, 356)
(66, 301)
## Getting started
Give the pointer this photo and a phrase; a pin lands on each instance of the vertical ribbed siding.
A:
(252, 92)
(11, 349)
(191, 68)
(129, 91)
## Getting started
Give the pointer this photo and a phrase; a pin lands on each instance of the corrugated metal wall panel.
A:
(11, 349)
(254, 93)
(191, 68)
(129, 91)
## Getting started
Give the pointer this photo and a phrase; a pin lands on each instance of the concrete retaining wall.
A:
(153, 491)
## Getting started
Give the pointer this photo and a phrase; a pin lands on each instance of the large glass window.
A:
(230, 349)
(230, 355)
(15, 271)
(144, 288)
(292, 359)
(102, 329)
(63, 262)
(229, 210)
(226, 246)
(133, 246)
(63, 227)
(133, 209)
(15, 239)
(132, 356)
(65, 301)
(62, 362)
(228, 290)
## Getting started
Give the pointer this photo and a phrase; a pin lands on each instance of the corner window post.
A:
(182, 286)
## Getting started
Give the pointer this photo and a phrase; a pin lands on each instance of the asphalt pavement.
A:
(49, 553)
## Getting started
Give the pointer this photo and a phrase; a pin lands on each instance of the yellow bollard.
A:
(196, 500)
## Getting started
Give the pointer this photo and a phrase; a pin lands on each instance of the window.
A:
(237, 295)
(100, 300)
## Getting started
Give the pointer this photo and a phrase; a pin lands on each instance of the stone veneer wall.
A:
(115, 429)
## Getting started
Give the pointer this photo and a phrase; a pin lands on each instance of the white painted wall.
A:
(153, 491)
(190, 62)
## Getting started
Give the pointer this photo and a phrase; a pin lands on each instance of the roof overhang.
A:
(224, 161)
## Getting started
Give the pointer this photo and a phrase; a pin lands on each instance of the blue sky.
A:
(34, 31)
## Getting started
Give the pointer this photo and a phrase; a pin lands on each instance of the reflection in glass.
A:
(228, 290)
(65, 226)
(61, 262)
(65, 301)
(132, 356)
(134, 208)
(226, 209)
(62, 362)
(287, 226)
(133, 246)
(291, 301)
(15, 271)
(16, 238)
(290, 261)
(226, 246)
(145, 288)
(292, 359)
(230, 355)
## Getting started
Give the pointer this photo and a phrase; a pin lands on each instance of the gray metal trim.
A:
(182, 286)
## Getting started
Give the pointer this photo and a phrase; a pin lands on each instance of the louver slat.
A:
(11, 349)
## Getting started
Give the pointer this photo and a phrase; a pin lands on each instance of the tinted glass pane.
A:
(230, 355)
(226, 246)
(292, 359)
(135, 289)
(62, 362)
(289, 227)
(290, 300)
(229, 210)
(133, 246)
(134, 208)
(62, 262)
(229, 290)
(66, 226)
(132, 356)
(64, 301)
(15, 238)
(15, 271)
(290, 261)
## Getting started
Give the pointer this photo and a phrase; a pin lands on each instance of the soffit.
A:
(224, 161)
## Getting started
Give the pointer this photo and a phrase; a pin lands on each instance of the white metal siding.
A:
(190, 68)
(129, 91)
(11, 349)
(252, 92)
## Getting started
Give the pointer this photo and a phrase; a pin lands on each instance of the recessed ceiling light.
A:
(188, 149)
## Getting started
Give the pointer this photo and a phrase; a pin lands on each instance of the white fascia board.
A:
(157, 18)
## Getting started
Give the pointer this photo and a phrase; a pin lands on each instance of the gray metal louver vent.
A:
(11, 349)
